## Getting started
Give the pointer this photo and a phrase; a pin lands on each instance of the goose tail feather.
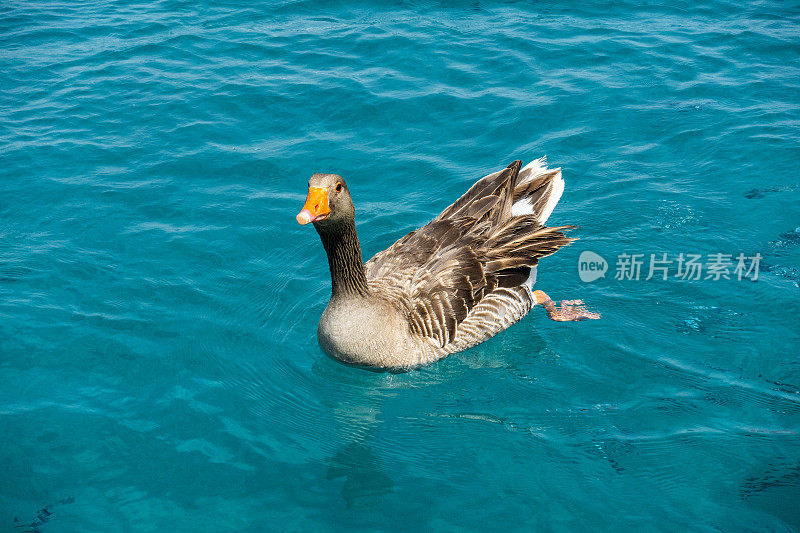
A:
(538, 190)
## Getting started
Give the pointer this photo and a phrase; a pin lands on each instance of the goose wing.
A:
(441, 272)
(435, 274)
(536, 191)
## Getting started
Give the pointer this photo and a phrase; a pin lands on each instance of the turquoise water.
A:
(158, 301)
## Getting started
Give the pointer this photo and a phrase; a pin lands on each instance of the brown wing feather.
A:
(442, 271)
(433, 274)
(489, 190)
(530, 188)
(502, 211)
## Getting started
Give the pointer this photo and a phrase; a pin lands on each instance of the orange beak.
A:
(316, 207)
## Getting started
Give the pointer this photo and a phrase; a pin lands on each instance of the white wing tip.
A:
(556, 190)
(540, 163)
(530, 171)
(535, 168)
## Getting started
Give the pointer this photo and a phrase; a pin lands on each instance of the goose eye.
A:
(338, 187)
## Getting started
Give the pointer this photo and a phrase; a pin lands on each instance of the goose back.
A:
(467, 274)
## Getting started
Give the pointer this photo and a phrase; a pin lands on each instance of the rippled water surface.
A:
(158, 302)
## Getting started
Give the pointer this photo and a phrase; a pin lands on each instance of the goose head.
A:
(328, 203)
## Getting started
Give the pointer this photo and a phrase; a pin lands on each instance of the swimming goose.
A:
(457, 281)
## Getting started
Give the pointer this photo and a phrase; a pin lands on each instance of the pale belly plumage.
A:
(369, 332)
(373, 333)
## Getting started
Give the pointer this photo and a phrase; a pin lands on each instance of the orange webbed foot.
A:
(567, 311)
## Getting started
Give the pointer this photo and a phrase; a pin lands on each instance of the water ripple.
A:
(159, 303)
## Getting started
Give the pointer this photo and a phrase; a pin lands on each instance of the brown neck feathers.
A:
(344, 259)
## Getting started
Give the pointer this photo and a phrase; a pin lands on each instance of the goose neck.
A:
(348, 277)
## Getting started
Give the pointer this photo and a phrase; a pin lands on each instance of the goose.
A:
(446, 287)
